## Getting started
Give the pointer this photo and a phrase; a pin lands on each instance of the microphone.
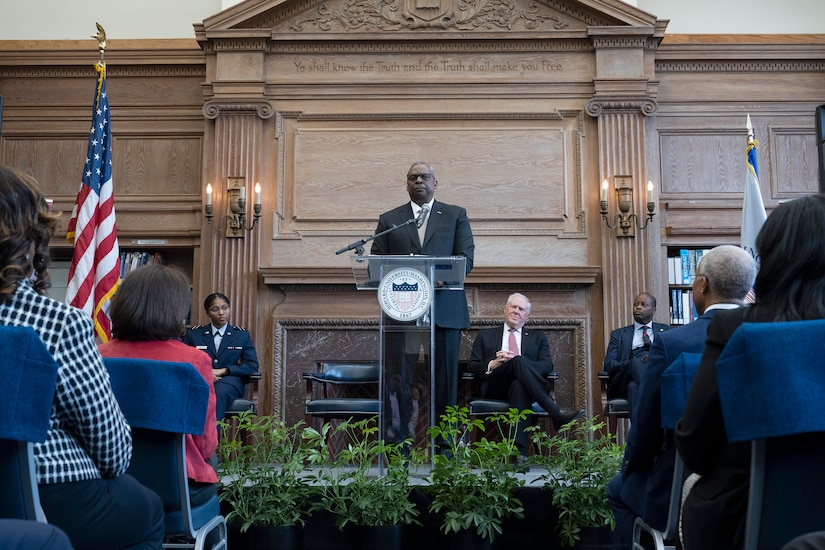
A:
(422, 216)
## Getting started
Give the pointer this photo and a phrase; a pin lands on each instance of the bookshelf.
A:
(681, 271)
(182, 257)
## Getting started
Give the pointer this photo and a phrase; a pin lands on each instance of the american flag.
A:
(753, 209)
(95, 271)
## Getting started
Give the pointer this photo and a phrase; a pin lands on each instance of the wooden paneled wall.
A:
(524, 153)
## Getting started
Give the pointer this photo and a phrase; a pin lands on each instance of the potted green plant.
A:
(580, 460)
(356, 492)
(472, 483)
(265, 483)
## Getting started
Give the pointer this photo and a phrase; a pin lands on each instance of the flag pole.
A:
(753, 209)
(94, 274)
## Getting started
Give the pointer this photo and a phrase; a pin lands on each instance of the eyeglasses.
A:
(414, 177)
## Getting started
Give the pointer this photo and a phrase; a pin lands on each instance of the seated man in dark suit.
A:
(642, 489)
(513, 363)
(627, 351)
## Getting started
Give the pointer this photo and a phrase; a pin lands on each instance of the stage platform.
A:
(536, 530)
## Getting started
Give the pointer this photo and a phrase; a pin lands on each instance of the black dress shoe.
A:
(521, 464)
(565, 416)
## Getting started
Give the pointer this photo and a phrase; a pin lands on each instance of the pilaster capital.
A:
(597, 106)
(214, 109)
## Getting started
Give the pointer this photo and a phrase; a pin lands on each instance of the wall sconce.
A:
(236, 206)
(625, 219)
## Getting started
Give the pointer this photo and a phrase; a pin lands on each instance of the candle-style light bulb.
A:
(258, 193)
(649, 191)
(604, 191)
(209, 194)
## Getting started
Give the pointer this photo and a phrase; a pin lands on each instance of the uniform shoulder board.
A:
(240, 328)
(197, 327)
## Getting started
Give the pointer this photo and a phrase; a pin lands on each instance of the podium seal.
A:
(405, 294)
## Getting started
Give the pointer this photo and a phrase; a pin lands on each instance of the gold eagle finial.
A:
(101, 39)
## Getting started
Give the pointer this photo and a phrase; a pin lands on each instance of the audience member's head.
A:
(724, 274)
(151, 303)
(791, 247)
(26, 227)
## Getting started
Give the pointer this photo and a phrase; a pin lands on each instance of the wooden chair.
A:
(616, 410)
(484, 407)
(249, 402)
(341, 390)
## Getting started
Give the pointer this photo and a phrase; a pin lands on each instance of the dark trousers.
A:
(105, 513)
(624, 515)
(521, 384)
(19, 534)
(401, 360)
(227, 390)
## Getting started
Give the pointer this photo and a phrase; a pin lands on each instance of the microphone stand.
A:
(358, 246)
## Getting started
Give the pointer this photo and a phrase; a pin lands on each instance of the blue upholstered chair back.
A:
(771, 380)
(160, 395)
(29, 376)
(163, 401)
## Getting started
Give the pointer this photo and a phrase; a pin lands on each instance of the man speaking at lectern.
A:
(444, 231)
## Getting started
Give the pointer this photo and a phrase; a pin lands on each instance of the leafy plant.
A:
(349, 486)
(580, 462)
(268, 483)
(472, 483)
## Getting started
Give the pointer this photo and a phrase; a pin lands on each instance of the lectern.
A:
(406, 287)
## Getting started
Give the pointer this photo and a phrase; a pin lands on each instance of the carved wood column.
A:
(238, 143)
(624, 99)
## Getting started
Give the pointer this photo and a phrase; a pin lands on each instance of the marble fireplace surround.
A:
(300, 342)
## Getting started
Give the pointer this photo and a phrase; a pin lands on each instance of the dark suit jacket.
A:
(534, 348)
(647, 469)
(237, 352)
(448, 234)
(617, 358)
(714, 512)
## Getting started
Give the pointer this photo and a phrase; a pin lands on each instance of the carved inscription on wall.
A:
(466, 68)
(512, 67)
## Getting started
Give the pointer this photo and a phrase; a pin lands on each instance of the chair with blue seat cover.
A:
(163, 401)
(29, 379)
(675, 385)
(782, 420)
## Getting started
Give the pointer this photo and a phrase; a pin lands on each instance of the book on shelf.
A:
(681, 267)
(683, 254)
(682, 308)
(130, 260)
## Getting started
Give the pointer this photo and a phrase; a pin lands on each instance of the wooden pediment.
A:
(405, 19)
